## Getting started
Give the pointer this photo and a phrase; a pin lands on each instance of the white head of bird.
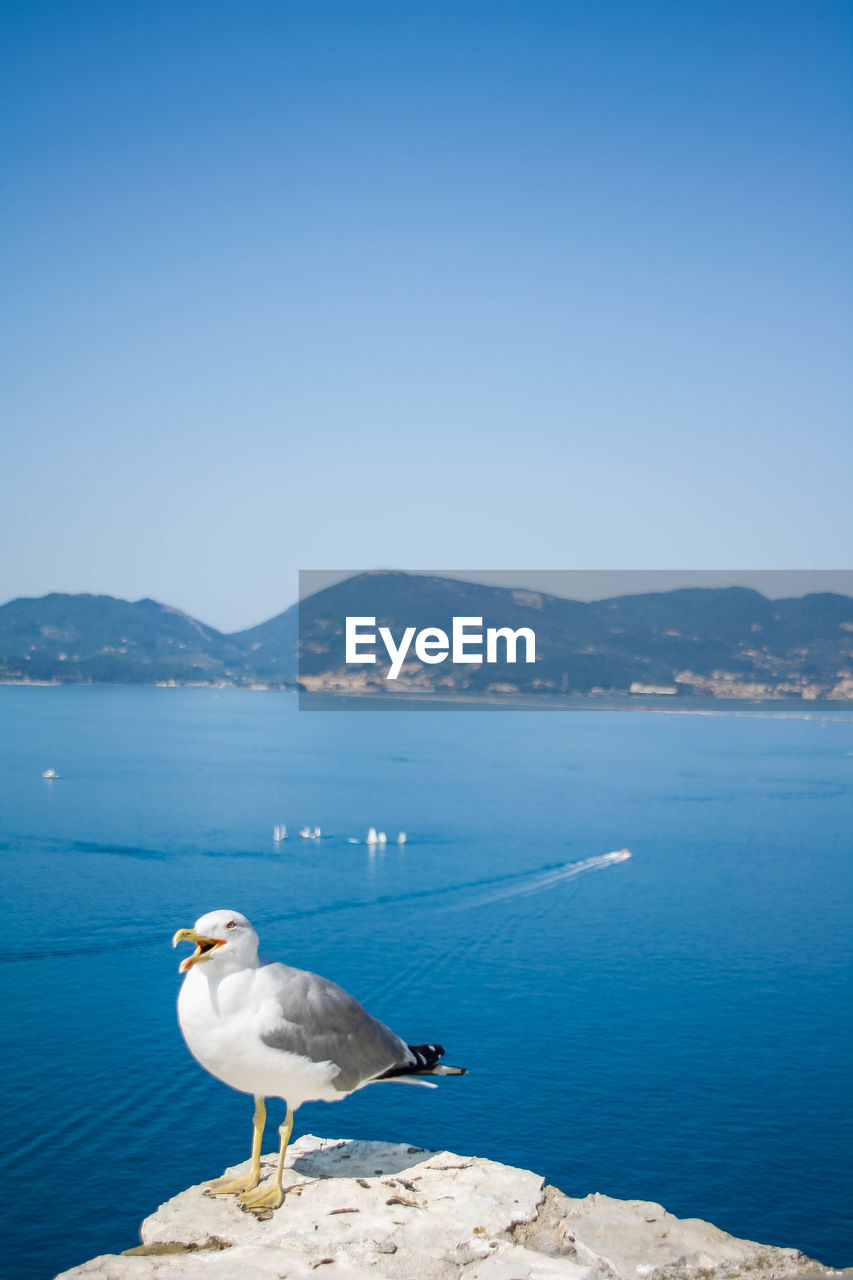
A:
(224, 940)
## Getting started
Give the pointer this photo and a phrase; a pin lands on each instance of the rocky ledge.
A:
(358, 1210)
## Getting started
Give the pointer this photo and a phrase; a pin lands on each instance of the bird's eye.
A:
(232, 924)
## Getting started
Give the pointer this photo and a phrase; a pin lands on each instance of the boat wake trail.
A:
(473, 893)
(540, 880)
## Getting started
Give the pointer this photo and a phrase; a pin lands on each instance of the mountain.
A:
(271, 647)
(719, 642)
(723, 642)
(98, 639)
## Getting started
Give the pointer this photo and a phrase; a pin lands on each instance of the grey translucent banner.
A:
(558, 639)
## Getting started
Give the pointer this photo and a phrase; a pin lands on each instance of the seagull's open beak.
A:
(203, 947)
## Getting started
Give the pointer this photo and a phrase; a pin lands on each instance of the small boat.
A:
(372, 837)
(50, 774)
(315, 835)
(306, 833)
(401, 838)
(279, 833)
(382, 838)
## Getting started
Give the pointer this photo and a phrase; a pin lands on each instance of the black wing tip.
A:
(426, 1063)
(425, 1055)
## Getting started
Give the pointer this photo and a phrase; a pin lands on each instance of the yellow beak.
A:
(203, 947)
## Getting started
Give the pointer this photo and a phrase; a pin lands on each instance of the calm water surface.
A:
(676, 1027)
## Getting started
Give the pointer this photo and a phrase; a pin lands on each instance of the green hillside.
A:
(722, 642)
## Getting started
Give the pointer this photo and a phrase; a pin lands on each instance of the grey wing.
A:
(321, 1021)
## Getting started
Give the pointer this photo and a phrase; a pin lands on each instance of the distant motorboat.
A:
(50, 774)
(401, 838)
(279, 833)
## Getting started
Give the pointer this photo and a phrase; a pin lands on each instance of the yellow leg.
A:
(230, 1186)
(271, 1195)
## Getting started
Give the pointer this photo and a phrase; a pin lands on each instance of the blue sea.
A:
(675, 1027)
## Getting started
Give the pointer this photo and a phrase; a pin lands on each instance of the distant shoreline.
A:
(820, 709)
(761, 708)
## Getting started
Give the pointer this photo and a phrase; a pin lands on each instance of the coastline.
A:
(400, 701)
(819, 709)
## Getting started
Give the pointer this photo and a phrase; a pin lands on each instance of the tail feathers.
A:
(423, 1061)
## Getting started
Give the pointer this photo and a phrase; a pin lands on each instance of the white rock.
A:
(359, 1210)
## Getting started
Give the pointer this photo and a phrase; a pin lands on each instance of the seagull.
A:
(267, 1029)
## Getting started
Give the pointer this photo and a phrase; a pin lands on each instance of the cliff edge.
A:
(362, 1210)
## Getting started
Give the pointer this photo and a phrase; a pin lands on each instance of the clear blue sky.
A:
(298, 285)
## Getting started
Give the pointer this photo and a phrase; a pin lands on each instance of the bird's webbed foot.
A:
(230, 1186)
(262, 1200)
